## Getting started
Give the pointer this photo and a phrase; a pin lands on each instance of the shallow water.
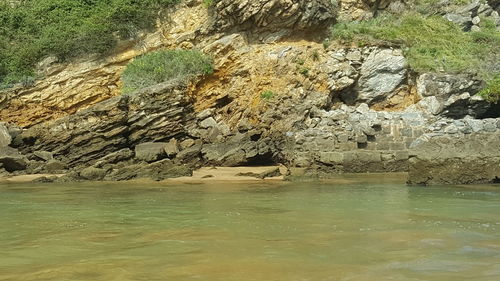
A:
(371, 229)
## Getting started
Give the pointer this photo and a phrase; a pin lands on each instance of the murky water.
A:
(374, 229)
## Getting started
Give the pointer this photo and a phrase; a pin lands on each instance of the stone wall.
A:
(356, 139)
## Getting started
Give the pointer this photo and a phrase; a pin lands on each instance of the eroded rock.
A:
(380, 75)
(278, 18)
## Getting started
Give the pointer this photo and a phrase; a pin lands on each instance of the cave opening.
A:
(265, 159)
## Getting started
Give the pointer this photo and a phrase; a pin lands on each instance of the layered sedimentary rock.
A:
(272, 19)
(154, 114)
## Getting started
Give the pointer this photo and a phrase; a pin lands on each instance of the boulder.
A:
(464, 21)
(269, 173)
(150, 151)
(380, 75)
(11, 160)
(208, 123)
(191, 154)
(44, 155)
(452, 96)
(164, 169)
(5, 138)
(93, 173)
(54, 166)
(186, 143)
(171, 148)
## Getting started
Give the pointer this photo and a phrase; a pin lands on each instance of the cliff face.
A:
(68, 88)
(277, 95)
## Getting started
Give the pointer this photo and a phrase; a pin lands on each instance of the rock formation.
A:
(326, 109)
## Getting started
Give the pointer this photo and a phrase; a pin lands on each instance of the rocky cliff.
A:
(326, 108)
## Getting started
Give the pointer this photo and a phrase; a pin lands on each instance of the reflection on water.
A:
(342, 230)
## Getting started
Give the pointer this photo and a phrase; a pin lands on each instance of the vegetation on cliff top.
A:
(161, 66)
(432, 44)
(33, 29)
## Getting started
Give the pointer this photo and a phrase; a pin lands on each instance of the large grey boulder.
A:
(380, 75)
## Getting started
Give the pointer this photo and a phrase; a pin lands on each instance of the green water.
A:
(374, 229)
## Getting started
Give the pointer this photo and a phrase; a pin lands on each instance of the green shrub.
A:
(34, 29)
(162, 66)
(491, 92)
(430, 43)
(267, 95)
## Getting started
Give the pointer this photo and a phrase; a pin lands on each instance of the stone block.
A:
(383, 146)
(368, 156)
(401, 155)
(348, 146)
(342, 138)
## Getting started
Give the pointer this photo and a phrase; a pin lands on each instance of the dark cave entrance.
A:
(266, 159)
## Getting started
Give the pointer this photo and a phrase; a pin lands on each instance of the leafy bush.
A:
(162, 66)
(34, 29)
(430, 43)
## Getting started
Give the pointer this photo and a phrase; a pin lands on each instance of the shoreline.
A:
(230, 175)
